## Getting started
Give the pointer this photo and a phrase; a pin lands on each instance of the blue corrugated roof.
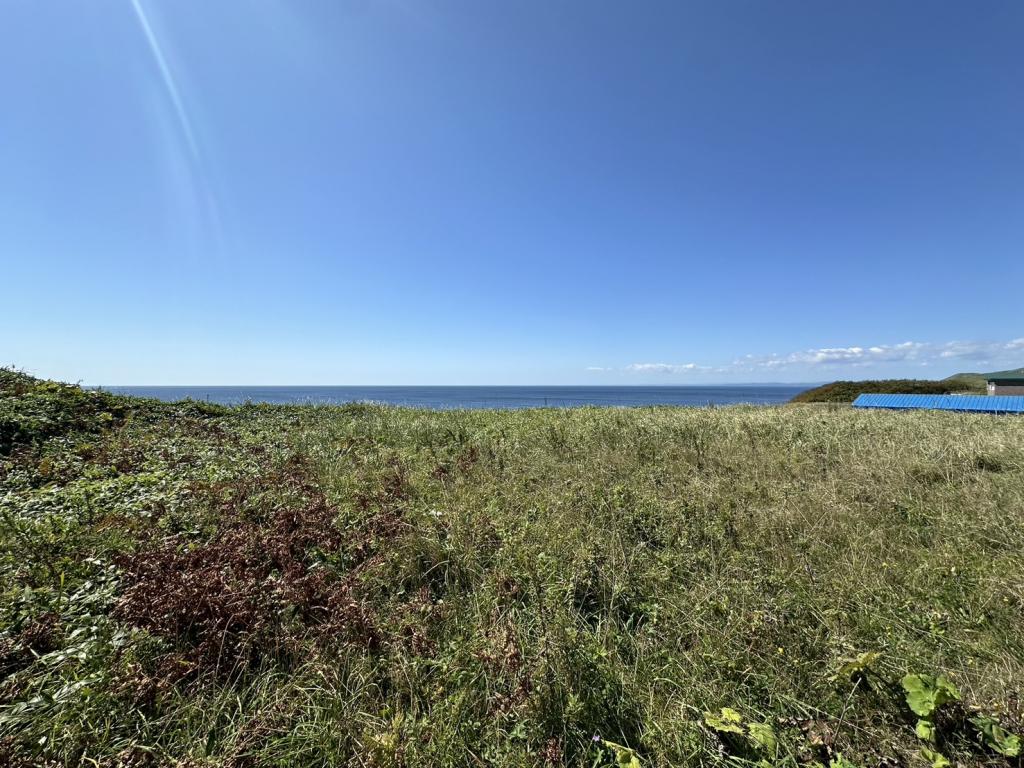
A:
(978, 403)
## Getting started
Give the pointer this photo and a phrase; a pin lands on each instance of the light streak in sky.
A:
(184, 123)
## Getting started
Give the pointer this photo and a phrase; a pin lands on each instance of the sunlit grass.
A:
(505, 586)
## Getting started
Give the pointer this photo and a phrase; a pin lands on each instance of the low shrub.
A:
(847, 391)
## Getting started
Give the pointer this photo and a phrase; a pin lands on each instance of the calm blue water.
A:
(480, 397)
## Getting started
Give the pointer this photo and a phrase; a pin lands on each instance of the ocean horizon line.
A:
(476, 396)
(462, 386)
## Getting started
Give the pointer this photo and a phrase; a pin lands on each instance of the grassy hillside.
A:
(375, 586)
(847, 391)
(978, 380)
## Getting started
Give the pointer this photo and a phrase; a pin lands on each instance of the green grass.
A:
(376, 586)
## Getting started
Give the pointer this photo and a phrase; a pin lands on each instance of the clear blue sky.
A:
(428, 191)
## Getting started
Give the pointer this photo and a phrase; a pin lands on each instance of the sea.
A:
(478, 397)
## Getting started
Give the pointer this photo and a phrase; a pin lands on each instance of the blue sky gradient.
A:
(427, 191)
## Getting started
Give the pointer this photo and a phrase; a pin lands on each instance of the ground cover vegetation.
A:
(190, 585)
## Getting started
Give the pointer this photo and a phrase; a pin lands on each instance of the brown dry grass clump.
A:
(258, 588)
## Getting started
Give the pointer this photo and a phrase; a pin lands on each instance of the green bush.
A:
(847, 391)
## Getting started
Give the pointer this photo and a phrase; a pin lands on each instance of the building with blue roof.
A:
(962, 403)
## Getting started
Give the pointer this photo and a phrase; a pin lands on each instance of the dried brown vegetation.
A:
(261, 586)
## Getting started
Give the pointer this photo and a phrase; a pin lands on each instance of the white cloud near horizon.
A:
(922, 353)
(664, 367)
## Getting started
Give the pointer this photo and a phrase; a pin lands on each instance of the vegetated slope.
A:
(979, 380)
(377, 586)
(33, 411)
(847, 391)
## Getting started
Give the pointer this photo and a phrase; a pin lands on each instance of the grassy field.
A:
(376, 586)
